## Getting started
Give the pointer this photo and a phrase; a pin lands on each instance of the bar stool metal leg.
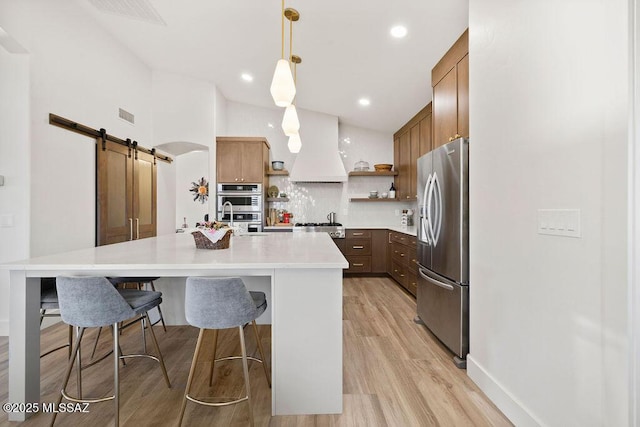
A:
(213, 358)
(191, 372)
(264, 363)
(245, 368)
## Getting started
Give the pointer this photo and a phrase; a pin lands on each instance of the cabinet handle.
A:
(137, 228)
(401, 254)
(395, 252)
(389, 237)
(130, 228)
(236, 179)
(402, 238)
(241, 179)
(358, 247)
(358, 234)
(358, 265)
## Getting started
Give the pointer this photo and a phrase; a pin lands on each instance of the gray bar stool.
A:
(221, 303)
(87, 302)
(140, 283)
(49, 301)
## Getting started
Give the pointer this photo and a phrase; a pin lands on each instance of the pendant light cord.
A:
(282, 29)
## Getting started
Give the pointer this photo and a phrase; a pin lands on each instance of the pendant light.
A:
(290, 122)
(283, 88)
(295, 143)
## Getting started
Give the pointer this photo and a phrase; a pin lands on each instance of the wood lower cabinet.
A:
(402, 260)
(126, 194)
(242, 159)
(380, 251)
(450, 82)
(365, 249)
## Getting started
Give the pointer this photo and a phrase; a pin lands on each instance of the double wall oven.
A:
(247, 205)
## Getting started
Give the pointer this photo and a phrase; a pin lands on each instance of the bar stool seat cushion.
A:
(260, 300)
(141, 301)
(234, 304)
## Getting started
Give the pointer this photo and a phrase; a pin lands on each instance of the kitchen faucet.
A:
(230, 212)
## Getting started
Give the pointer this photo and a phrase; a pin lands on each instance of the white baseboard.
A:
(4, 328)
(508, 404)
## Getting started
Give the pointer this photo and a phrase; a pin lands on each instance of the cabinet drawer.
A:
(412, 265)
(359, 264)
(400, 238)
(399, 273)
(412, 282)
(358, 247)
(400, 253)
(359, 234)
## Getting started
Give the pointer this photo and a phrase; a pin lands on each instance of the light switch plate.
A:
(559, 222)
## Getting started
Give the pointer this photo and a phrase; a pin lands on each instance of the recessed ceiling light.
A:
(364, 102)
(247, 77)
(399, 31)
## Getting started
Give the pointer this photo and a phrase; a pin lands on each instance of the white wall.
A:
(184, 110)
(76, 71)
(548, 120)
(311, 202)
(14, 166)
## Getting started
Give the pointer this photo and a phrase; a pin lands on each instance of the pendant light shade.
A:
(290, 122)
(295, 143)
(283, 89)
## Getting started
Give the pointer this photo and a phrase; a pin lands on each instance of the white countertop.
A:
(178, 251)
(411, 230)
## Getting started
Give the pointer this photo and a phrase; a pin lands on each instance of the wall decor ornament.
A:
(200, 189)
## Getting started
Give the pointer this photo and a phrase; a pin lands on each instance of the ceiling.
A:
(345, 46)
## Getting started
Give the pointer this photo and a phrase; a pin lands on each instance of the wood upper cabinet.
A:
(450, 82)
(242, 159)
(126, 194)
(410, 142)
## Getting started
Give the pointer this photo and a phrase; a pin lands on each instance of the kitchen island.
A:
(305, 272)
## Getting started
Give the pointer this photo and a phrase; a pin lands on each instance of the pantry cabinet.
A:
(241, 159)
(450, 83)
(410, 142)
(126, 194)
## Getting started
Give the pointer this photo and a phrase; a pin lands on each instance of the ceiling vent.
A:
(126, 116)
(137, 9)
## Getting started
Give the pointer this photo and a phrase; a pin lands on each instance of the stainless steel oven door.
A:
(242, 202)
(254, 217)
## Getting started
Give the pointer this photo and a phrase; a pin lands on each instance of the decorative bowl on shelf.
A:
(382, 167)
(277, 165)
(373, 194)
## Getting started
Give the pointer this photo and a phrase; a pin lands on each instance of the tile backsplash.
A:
(312, 202)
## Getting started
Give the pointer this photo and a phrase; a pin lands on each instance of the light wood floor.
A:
(395, 374)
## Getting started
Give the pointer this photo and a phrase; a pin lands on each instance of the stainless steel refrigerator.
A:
(443, 245)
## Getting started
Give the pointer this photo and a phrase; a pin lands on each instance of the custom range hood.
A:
(318, 159)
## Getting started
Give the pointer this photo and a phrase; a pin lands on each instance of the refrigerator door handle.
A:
(438, 210)
(431, 219)
(425, 224)
(434, 281)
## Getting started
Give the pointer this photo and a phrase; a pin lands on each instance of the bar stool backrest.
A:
(91, 302)
(218, 302)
